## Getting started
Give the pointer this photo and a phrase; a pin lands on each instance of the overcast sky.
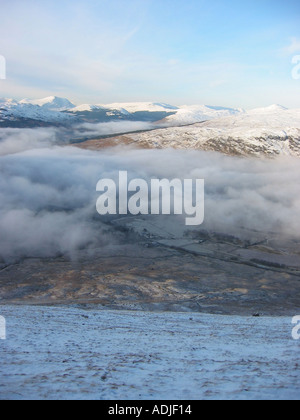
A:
(230, 53)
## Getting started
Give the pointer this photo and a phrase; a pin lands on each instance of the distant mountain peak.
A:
(54, 103)
(277, 107)
(269, 109)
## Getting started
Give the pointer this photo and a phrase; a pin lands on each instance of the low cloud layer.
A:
(14, 140)
(113, 127)
(48, 195)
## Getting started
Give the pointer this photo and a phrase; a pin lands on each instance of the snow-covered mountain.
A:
(52, 103)
(26, 112)
(266, 131)
(52, 110)
(132, 107)
(263, 131)
(169, 114)
(196, 113)
(61, 111)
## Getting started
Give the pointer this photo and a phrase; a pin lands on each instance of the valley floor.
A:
(161, 265)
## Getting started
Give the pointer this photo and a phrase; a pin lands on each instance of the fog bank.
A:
(48, 194)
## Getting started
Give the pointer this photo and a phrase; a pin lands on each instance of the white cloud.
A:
(293, 47)
(13, 140)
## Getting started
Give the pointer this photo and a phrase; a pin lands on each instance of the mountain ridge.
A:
(247, 134)
(54, 109)
(270, 131)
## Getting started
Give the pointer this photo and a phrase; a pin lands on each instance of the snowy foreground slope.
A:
(67, 353)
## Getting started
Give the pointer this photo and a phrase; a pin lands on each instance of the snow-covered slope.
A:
(53, 109)
(45, 110)
(273, 109)
(267, 131)
(132, 107)
(198, 113)
(127, 108)
(52, 103)
(60, 110)
(85, 108)
(74, 353)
